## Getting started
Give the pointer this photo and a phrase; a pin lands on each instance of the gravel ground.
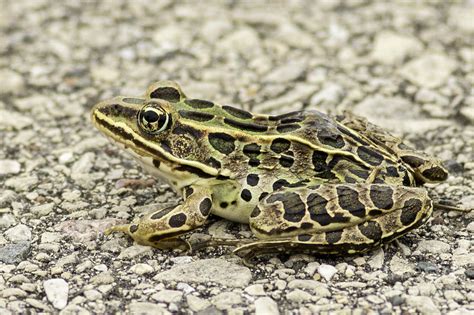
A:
(406, 66)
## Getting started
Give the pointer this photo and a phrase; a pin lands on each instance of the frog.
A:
(303, 181)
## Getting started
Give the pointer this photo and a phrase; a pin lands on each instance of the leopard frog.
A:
(302, 180)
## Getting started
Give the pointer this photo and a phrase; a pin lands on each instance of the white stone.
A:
(423, 304)
(168, 296)
(433, 246)
(197, 304)
(287, 72)
(392, 48)
(10, 120)
(377, 259)
(141, 269)
(18, 233)
(42, 210)
(266, 306)
(255, 289)
(327, 271)
(298, 296)
(430, 70)
(226, 300)
(208, 270)
(400, 266)
(9, 167)
(146, 308)
(57, 291)
(462, 17)
(12, 82)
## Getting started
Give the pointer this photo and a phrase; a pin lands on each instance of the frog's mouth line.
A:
(124, 136)
(141, 148)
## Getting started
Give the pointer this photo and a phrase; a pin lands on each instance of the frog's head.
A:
(150, 129)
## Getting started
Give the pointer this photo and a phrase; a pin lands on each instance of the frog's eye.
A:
(154, 119)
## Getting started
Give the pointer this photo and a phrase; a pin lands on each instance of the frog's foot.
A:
(124, 228)
(161, 228)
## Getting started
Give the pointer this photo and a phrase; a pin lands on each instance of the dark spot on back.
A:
(213, 163)
(369, 155)
(262, 195)
(252, 150)
(280, 145)
(193, 170)
(371, 230)
(161, 213)
(237, 112)
(286, 161)
(318, 212)
(410, 209)
(133, 228)
(392, 171)
(197, 116)
(304, 237)
(199, 104)
(252, 127)
(285, 128)
(375, 212)
(224, 205)
(435, 174)
(413, 161)
(256, 211)
(166, 93)
(330, 138)
(177, 220)
(156, 163)
(333, 237)
(381, 196)
(246, 194)
(222, 142)
(319, 161)
(205, 206)
(188, 191)
(280, 183)
(293, 206)
(252, 179)
(351, 135)
(349, 200)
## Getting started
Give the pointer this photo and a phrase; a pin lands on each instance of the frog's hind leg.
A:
(427, 169)
(335, 219)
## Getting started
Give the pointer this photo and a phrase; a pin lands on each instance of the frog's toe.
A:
(124, 228)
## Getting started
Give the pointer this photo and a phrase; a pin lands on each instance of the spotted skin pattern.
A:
(301, 180)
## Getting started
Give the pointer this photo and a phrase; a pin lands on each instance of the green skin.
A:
(302, 181)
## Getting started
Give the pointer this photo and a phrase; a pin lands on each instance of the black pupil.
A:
(151, 116)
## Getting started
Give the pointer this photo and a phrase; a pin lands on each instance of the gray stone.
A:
(208, 270)
(266, 306)
(197, 304)
(14, 253)
(12, 82)
(316, 287)
(9, 167)
(168, 296)
(11, 120)
(43, 210)
(433, 246)
(423, 304)
(6, 197)
(430, 70)
(392, 48)
(57, 291)
(226, 300)
(146, 308)
(289, 71)
(255, 289)
(401, 266)
(377, 259)
(22, 183)
(298, 296)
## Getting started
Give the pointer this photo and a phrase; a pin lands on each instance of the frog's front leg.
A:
(161, 228)
(335, 218)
